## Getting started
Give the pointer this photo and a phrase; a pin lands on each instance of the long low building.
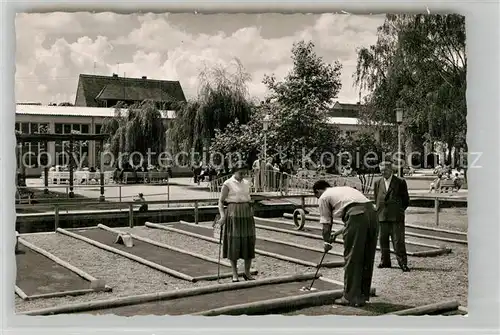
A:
(33, 118)
(63, 120)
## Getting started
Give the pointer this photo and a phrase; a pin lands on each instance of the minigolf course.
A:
(273, 295)
(437, 234)
(290, 252)
(430, 233)
(41, 274)
(173, 261)
(260, 296)
(286, 226)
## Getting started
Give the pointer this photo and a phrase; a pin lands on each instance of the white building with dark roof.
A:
(95, 100)
(107, 91)
(63, 120)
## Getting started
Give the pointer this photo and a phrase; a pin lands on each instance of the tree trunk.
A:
(449, 148)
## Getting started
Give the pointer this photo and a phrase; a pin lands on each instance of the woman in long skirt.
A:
(238, 239)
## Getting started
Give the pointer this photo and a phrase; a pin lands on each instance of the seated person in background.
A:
(457, 182)
(197, 173)
(438, 169)
(435, 184)
(203, 174)
(144, 206)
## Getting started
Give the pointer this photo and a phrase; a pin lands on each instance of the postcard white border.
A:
(483, 46)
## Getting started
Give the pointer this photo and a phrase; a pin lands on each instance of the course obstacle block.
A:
(98, 285)
(125, 239)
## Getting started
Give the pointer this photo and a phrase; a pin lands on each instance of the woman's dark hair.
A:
(320, 185)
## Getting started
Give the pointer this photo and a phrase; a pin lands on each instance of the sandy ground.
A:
(432, 279)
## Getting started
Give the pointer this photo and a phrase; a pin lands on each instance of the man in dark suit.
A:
(391, 199)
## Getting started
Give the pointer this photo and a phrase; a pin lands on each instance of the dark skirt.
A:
(238, 239)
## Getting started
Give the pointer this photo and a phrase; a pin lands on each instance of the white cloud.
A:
(53, 49)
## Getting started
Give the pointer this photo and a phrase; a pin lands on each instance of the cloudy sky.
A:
(53, 49)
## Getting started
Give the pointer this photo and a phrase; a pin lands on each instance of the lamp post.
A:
(263, 171)
(399, 121)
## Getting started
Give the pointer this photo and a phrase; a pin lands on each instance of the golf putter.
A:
(310, 288)
(217, 217)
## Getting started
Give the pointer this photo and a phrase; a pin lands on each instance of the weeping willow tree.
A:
(222, 98)
(418, 63)
(139, 129)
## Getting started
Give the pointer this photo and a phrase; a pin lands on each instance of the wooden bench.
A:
(24, 196)
(446, 185)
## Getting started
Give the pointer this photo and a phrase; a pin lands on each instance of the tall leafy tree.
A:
(140, 129)
(299, 104)
(365, 154)
(222, 98)
(418, 63)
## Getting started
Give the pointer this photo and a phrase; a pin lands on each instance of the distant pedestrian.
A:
(270, 175)
(436, 183)
(257, 174)
(457, 182)
(142, 209)
(196, 173)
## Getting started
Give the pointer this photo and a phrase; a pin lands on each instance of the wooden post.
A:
(131, 215)
(46, 169)
(71, 167)
(120, 190)
(101, 172)
(436, 210)
(56, 217)
(168, 192)
(46, 179)
(196, 212)
(303, 202)
(22, 168)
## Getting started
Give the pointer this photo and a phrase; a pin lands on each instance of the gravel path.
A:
(449, 218)
(432, 279)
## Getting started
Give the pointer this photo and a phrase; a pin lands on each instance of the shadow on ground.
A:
(370, 309)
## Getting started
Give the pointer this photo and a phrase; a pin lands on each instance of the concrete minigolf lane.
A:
(433, 234)
(414, 230)
(174, 260)
(267, 246)
(37, 274)
(410, 248)
(199, 303)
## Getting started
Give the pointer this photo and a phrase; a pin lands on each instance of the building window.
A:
(33, 128)
(67, 128)
(30, 151)
(80, 148)
(98, 128)
(25, 128)
(43, 128)
(61, 157)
